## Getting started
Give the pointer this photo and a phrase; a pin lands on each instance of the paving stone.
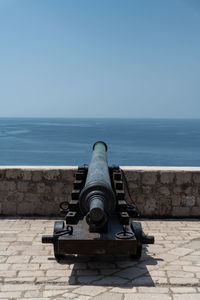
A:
(6, 273)
(30, 273)
(169, 267)
(183, 290)
(58, 273)
(124, 290)
(110, 296)
(90, 290)
(180, 274)
(18, 259)
(147, 297)
(69, 296)
(54, 266)
(10, 295)
(101, 265)
(157, 273)
(18, 287)
(4, 267)
(112, 280)
(183, 281)
(179, 251)
(131, 273)
(186, 297)
(160, 280)
(24, 267)
(39, 259)
(191, 268)
(126, 263)
(108, 271)
(53, 293)
(87, 272)
(79, 266)
(32, 294)
(81, 297)
(40, 298)
(19, 279)
(88, 279)
(153, 290)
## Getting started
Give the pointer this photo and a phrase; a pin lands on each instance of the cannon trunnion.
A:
(101, 218)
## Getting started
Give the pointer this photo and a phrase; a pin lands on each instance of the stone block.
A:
(26, 175)
(141, 208)
(110, 296)
(147, 297)
(149, 178)
(132, 186)
(58, 187)
(7, 186)
(183, 290)
(176, 200)
(164, 191)
(177, 190)
(180, 211)
(133, 176)
(26, 208)
(188, 190)
(198, 200)
(67, 175)
(22, 186)
(3, 196)
(187, 201)
(196, 177)
(146, 189)
(31, 197)
(9, 208)
(51, 174)
(10, 295)
(151, 207)
(2, 173)
(165, 206)
(40, 187)
(13, 173)
(37, 176)
(47, 198)
(183, 281)
(195, 211)
(140, 199)
(15, 196)
(167, 177)
(183, 177)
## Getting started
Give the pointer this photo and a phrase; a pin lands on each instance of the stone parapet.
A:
(156, 191)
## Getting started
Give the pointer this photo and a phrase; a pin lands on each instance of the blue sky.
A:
(106, 58)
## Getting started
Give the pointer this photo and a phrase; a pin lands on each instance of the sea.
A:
(131, 142)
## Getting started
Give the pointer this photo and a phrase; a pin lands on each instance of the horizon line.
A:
(122, 118)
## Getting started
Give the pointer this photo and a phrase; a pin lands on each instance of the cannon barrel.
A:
(97, 198)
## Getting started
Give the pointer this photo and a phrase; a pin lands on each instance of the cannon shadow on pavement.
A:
(113, 271)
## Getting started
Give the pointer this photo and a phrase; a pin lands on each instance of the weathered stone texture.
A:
(155, 191)
(187, 201)
(168, 269)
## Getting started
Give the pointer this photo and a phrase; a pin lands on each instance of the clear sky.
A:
(100, 58)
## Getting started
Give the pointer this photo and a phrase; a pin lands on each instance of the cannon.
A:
(98, 219)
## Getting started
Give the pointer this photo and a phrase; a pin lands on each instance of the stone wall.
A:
(156, 191)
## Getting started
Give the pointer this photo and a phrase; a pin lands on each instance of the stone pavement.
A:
(168, 270)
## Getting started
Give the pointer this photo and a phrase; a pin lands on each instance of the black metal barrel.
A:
(97, 198)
